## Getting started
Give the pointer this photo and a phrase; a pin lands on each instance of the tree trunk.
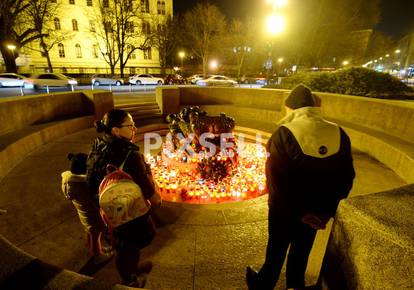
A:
(9, 57)
(46, 54)
(204, 66)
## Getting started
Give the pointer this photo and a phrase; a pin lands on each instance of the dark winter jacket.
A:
(114, 151)
(309, 169)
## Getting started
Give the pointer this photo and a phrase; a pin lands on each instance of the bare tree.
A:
(118, 34)
(321, 28)
(40, 14)
(13, 33)
(164, 38)
(240, 43)
(203, 27)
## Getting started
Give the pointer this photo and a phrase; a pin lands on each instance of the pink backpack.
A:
(120, 198)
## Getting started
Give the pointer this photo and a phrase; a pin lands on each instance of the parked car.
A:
(174, 79)
(145, 79)
(12, 80)
(253, 79)
(51, 80)
(194, 78)
(98, 80)
(217, 80)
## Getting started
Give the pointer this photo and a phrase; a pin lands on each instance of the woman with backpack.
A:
(115, 148)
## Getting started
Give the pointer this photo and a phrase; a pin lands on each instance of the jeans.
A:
(283, 233)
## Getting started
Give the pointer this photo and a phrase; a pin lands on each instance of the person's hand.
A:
(315, 221)
(156, 199)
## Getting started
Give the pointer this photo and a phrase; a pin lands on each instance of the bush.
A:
(354, 81)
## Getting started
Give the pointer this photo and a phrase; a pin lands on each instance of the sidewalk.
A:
(198, 247)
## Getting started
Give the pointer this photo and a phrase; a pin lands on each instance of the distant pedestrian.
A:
(309, 170)
(76, 189)
(115, 147)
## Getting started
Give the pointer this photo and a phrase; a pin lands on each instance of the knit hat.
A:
(78, 165)
(300, 96)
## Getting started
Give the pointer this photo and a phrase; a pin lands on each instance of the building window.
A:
(108, 27)
(129, 27)
(89, 2)
(146, 28)
(129, 49)
(92, 26)
(145, 6)
(161, 7)
(147, 53)
(71, 1)
(132, 70)
(78, 50)
(75, 25)
(61, 49)
(57, 23)
(95, 51)
(105, 3)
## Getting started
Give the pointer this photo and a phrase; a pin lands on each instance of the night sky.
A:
(397, 16)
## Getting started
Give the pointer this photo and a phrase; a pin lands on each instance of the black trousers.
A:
(283, 233)
(126, 260)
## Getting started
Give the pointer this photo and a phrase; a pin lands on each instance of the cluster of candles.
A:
(178, 180)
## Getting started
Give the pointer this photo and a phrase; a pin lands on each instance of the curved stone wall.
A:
(381, 128)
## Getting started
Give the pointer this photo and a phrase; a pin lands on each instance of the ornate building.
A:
(77, 35)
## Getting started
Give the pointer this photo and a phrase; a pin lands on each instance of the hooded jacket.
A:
(309, 168)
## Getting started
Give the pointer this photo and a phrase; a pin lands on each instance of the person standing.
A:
(309, 169)
(115, 147)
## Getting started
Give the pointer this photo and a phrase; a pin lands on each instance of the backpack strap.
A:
(123, 163)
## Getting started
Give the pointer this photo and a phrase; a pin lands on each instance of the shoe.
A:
(145, 267)
(102, 258)
(139, 281)
(252, 278)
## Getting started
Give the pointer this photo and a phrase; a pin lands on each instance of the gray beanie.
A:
(300, 96)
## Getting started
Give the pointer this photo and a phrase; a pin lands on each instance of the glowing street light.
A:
(397, 51)
(275, 24)
(181, 54)
(280, 60)
(345, 62)
(213, 64)
(277, 3)
(12, 47)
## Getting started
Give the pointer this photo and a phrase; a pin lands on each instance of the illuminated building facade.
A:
(79, 47)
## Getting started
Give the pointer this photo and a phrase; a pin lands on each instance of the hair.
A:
(113, 118)
(78, 162)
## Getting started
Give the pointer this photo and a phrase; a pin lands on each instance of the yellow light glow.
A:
(397, 51)
(213, 64)
(280, 60)
(11, 46)
(345, 62)
(275, 24)
(279, 3)
(181, 54)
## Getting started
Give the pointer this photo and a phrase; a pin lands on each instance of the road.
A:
(147, 89)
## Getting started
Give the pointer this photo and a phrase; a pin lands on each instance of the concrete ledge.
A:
(372, 242)
(20, 270)
(36, 136)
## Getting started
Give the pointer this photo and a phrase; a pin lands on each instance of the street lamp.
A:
(12, 47)
(213, 64)
(181, 54)
(275, 24)
(345, 62)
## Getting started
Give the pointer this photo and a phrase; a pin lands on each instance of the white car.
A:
(217, 80)
(98, 80)
(12, 80)
(194, 78)
(51, 80)
(145, 79)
